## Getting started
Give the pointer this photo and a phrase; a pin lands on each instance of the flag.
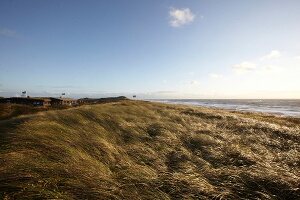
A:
(63, 93)
(24, 92)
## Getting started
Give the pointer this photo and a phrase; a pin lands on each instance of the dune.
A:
(146, 150)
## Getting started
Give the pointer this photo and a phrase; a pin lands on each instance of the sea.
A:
(285, 107)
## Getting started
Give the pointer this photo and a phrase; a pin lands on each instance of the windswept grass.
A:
(142, 150)
(8, 111)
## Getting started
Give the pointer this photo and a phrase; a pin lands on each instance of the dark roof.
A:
(41, 98)
(25, 99)
(68, 99)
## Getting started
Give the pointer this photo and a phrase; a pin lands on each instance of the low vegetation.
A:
(8, 111)
(143, 150)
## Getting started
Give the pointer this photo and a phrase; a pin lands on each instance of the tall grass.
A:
(142, 150)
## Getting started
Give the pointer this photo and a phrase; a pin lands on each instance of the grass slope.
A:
(8, 111)
(142, 150)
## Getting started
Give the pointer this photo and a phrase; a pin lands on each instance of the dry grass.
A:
(8, 111)
(142, 150)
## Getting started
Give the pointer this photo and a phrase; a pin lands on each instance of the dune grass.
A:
(8, 111)
(143, 150)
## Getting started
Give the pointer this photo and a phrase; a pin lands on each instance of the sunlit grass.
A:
(142, 150)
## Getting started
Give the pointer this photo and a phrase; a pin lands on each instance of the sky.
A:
(151, 48)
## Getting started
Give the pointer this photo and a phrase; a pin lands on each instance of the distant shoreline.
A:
(277, 107)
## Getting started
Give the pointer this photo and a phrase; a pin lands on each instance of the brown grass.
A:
(142, 150)
(8, 111)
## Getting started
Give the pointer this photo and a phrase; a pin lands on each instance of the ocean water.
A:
(272, 106)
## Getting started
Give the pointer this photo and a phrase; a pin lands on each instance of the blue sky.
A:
(155, 49)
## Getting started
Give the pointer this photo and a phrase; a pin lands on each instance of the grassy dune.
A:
(8, 111)
(142, 150)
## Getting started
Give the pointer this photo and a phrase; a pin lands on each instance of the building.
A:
(36, 101)
(69, 101)
(63, 101)
(40, 101)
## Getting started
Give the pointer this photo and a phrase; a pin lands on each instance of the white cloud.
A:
(271, 55)
(215, 76)
(194, 82)
(181, 17)
(270, 68)
(244, 67)
(8, 33)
